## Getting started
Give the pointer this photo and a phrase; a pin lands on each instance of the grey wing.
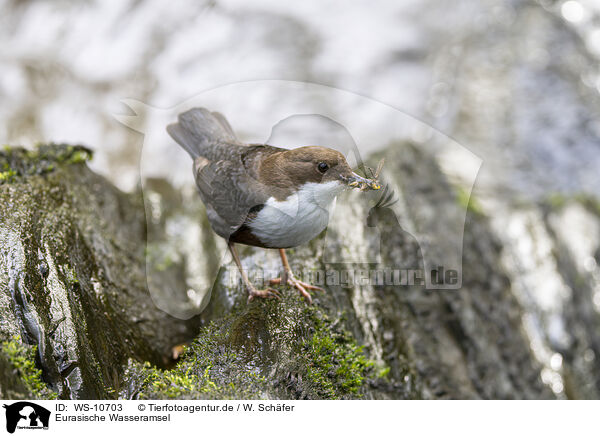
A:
(228, 193)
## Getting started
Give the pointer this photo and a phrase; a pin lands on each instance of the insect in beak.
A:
(364, 184)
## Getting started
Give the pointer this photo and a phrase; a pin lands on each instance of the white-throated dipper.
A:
(261, 195)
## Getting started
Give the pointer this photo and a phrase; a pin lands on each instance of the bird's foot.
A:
(263, 293)
(302, 287)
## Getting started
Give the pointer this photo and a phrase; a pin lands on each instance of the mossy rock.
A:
(19, 374)
(17, 163)
(72, 279)
(263, 350)
(73, 288)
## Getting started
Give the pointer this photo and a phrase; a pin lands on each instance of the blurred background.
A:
(514, 81)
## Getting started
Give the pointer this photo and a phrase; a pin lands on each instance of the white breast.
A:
(297, 219)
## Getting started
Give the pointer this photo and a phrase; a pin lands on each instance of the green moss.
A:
(207, 369)
(468, 202)
(590, 202)
(168, 384)
(18, 163)
(7, 176)
(266, 349)
(383, 372)
(556, 201)
(22, 359)
(61, 153)
(70, 275)
(336, 365)
(78, 156)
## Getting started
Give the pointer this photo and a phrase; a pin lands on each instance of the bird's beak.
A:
(356, 181)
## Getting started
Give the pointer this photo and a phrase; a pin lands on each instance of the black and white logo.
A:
(26, 415)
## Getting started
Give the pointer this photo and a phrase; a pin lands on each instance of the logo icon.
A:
(26, 415)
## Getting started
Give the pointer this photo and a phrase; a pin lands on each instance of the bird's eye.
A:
(322, 166)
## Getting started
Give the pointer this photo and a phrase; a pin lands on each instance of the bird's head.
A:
(319, 165)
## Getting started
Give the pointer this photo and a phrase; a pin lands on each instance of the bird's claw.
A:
(301, 286)
(263, 293)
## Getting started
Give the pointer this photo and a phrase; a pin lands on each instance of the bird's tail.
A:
(198, 131)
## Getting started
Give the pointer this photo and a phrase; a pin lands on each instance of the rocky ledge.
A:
(77, 257)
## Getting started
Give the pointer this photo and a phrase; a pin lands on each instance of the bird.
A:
(262, 195)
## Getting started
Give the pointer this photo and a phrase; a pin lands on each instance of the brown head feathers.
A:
(293, 168)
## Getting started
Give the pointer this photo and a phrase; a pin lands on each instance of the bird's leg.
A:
(252, 291)
(288, 277)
